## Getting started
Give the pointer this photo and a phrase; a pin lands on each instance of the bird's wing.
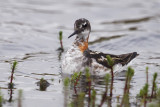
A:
(118, 59)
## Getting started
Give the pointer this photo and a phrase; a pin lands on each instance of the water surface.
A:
(29, 34)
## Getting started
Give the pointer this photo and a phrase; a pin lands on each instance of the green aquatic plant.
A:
(107, 78)
(11, 84)
(87, 74)
(155, 93)
(60, 39)
(156, 101)
(125, 99)
(60, 35)
(144, 91)
(81, 97)
(111, 63)
(75, 79)
(154, 85)
(158, 95)
(129, 75)
(60, 49)
(13, 67)
(144, 94)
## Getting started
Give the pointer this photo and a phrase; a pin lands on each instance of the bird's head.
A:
(82, 29)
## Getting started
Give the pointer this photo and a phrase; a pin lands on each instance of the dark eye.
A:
(85, 25)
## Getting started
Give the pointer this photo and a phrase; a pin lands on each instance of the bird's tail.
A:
(126, 58)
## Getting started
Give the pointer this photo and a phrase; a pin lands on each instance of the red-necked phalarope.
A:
(78, 57)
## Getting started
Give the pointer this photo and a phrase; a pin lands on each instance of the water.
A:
(29, 34)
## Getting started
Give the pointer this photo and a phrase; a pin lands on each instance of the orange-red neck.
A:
(82, 43)
(83, 46)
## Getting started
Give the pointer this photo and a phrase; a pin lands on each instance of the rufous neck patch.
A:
(83, 46)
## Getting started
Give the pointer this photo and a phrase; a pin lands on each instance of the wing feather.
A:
(123, 59)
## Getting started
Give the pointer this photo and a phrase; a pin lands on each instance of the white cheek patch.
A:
(84, 23)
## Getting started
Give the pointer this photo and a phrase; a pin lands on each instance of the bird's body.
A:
(78, 56)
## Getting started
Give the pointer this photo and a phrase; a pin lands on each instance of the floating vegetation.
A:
(43, 84)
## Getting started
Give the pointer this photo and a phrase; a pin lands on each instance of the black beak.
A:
(75, 32)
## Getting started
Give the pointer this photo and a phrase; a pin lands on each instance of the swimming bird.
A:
(79, 56)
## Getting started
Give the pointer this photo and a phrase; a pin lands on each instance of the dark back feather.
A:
(100, 57)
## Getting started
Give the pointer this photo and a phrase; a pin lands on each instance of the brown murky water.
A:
(29, 34)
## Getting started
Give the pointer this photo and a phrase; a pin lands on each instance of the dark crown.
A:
(82, 24)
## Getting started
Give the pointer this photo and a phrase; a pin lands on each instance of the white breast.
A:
(73, 60)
